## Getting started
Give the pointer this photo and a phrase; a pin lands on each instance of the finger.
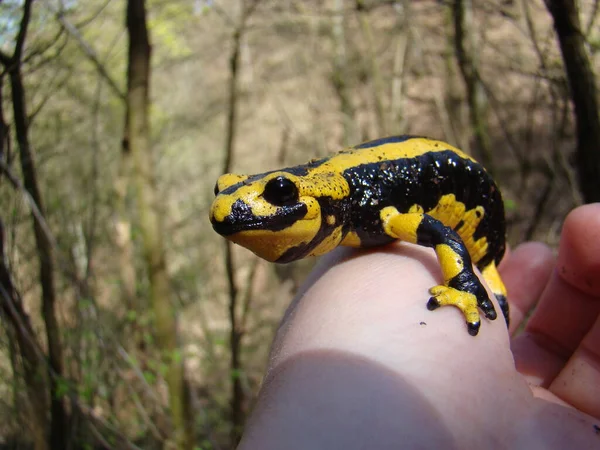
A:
(566, 311)
(552, 426)
(570, 304)
(526, 273)
(579, 253)
(578, 383)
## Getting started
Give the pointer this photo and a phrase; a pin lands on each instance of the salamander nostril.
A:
(241, 211)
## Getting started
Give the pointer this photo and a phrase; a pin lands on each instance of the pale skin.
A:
(359, 362)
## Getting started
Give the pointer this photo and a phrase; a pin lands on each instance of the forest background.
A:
(126, 321)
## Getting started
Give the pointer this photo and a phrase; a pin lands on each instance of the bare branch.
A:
(87, 49)
(235, 337)
(138, 373)
(94, 15)
(248, 297)
(18, 52)
(4, 59)
(35, 210)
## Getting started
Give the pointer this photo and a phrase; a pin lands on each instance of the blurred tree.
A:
(397, 119)
(151, 227)
(13, 66)
(374, 69)
(238, 396)
(584, 95)
(340, 75)
(466, 55)
(19, 328)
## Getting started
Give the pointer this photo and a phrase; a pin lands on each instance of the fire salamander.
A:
(410, 188)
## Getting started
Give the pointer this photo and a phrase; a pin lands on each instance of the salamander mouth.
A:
(242, 219)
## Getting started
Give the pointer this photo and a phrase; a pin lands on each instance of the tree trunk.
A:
(397, 118)
(58, 414)
(58, 431)
(32, 360)
(458, 130)
(122, 228)
(465, 55)
(21, 334)
(375, 73)
(5, 156)
(340, 76)
(238, 396)
(235, 336)
(137, 122)
(583, 94)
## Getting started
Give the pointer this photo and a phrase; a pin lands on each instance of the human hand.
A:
(359, 362)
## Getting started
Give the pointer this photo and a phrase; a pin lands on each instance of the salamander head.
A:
(273, 213)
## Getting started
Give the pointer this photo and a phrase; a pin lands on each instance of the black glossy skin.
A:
(423, 180)
(402, 183)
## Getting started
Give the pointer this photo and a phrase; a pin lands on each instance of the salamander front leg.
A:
(461, 287)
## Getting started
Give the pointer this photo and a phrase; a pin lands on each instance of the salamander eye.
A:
(216, 188)
(280, 192)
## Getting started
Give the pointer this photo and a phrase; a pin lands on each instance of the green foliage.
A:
(148, 338)
(149, 377)
(177, 357)
(132, 315)
(510, 205)
(63, 387)
(87, 388)
(204, 445)
(165, 25)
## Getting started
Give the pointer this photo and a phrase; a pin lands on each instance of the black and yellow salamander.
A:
(410, 188)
